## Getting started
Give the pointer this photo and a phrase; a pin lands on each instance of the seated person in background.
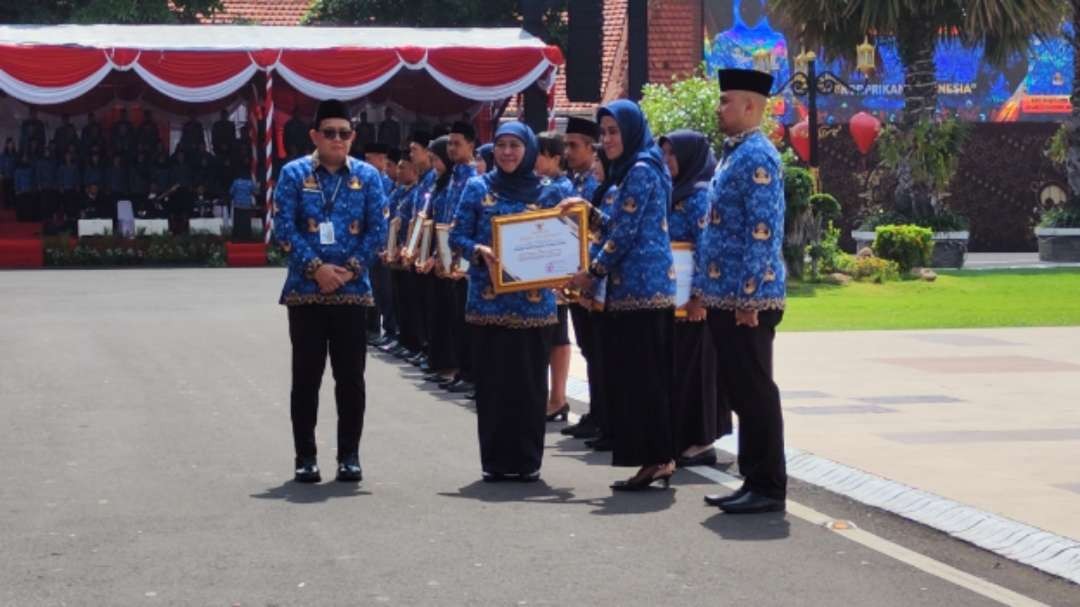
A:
(156, 203)
(92, 206)
(122, 136)
(118, 179)
(202, 205)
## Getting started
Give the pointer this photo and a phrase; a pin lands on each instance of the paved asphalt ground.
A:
(145, 459)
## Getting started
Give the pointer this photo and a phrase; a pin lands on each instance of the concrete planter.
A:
(1059, 244)
(950, 248)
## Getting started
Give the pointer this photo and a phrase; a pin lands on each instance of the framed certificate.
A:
(683, 255)
(391, 239)
(415, 227)
(427, 227)
(538, 249)
(442, 247)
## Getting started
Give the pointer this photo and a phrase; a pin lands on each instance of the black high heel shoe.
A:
(642, 482)
(562, 415)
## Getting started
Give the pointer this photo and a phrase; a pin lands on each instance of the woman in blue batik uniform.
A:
(442, 353)
(636, 261)
(699, 411)
(557, 187)
(511, 333)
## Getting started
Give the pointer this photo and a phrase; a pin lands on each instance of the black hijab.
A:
(439, 148)
(696, 162)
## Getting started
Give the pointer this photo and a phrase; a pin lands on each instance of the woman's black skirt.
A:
(638, 356)
(511, 396)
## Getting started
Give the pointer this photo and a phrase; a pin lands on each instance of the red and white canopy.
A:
(48, 65)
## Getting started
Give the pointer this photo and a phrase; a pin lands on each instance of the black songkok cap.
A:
(582, 126)
(421, 138)
(464, 128)
(376, 148)
(746, 80)
(394, 155)
(330, 108)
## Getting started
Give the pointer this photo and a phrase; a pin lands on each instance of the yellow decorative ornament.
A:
(702, 222)
(714, 271)
(750, 286)
(680, 206)
(354, 227)
(769, 275)
(488, 201)
(286, 246)
(354, 183)
(663, 225)
(762, 232)
(609, 246)
(533, 296)
(312, 225)
(671, 272)
(310, 183)
(386, 213)
(762, 176)
(630, 206)
(717, 218)
(488, 294)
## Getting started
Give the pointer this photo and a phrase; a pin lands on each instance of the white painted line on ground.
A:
(909, 557)
(1005, 537)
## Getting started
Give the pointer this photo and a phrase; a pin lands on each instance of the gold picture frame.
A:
(442, 247)
(502, 281)
(413, 243)
(391, 239)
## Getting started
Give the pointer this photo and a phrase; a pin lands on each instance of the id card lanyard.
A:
(326, 228)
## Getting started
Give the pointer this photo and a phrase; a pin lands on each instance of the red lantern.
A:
(865, 129)
(800, 140)
(777, 134)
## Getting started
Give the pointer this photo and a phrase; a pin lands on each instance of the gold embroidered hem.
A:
(731, 303)
(511, 321)
(656, 302)
(332, 299)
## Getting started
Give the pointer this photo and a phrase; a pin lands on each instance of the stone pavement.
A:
(988, 417)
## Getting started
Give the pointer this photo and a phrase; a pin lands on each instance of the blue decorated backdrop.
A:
(1032, 87)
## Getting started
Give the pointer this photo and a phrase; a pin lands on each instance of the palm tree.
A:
(1004, 27)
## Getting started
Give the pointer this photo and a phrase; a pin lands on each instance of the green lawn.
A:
(958, 299)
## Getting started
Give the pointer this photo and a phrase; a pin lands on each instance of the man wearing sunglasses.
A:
(331, 220)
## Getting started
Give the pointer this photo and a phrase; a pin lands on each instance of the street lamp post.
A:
(807, 82)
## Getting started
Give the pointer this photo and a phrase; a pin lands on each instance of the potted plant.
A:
(1058, 231)
(925, 159)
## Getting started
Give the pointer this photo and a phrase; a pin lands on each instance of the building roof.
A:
(262, 12)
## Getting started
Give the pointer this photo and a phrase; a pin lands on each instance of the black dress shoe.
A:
(753, 503)
(584, 422)
(348, 470)
(471, 395)
(717, 499)
(495, 477)
(529, 477)
(446, 383)
(600, 443)
(561, 414)
(462, 387)
(434, 378)
(401, 352)
(705, 458)
(417, 359)
(307, 470)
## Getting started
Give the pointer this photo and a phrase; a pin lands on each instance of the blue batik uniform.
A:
(67, 175)
(7, 165)
(397, 201)
(305, 198)
(442, 205)
(689, 217)
(414, 202)
(555, 190)
(45, 174)
(472, 226)
(739, 256)
(584, 184)
(387, 183)
(24, 178)
(636, 252)
(461, 176)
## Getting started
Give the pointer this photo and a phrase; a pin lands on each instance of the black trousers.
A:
(442, 323)
(315, 330)
(587, 328)
(26, 206)
(386, 316)
(511, 396)
(700, 411)
(464, 343)
(638, 360)
(744, 359)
